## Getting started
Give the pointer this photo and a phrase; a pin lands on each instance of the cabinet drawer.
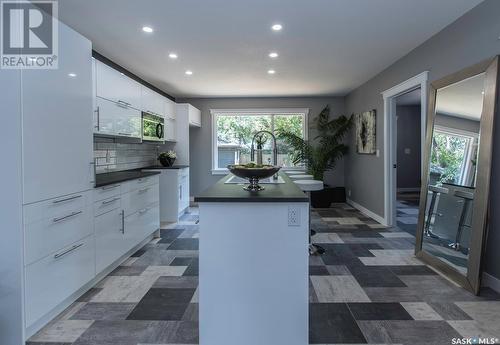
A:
(140, 183)
(56, 207)
(142, 224)
(103, 206)
(184, 172)
(110, 245)
(54, 278)
(139, 199)
(107, 192)
(50, 234)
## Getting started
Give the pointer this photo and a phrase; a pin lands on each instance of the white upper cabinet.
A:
(192, 114)
(169, 109)
(57, 123)
(152, 102)
(170, 130)
(117, 119)
(117, 87)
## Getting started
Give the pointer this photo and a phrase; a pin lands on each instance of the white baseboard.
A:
(367, 212)
(491, 282)
(409, 189)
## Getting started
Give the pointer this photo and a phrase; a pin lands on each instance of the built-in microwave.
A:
(153, 127)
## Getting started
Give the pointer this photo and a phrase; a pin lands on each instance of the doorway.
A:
(415, 87)
(408, 137)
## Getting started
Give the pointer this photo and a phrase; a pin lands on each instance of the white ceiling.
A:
(326, 47)
(463, 99)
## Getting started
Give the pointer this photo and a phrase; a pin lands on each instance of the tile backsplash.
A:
(116, 156)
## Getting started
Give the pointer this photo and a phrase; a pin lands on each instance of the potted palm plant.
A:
(321, 153)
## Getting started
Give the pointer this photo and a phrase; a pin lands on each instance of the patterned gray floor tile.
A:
(449, 311)
(331, 289)
(421, 311)
(176, 282)
(104, 311)
(65, 331)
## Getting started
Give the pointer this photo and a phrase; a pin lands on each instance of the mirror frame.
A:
(472, 280)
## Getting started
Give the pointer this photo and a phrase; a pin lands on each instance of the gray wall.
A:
(457, 123)
(200, 151)
(470, 39)
(408, 132)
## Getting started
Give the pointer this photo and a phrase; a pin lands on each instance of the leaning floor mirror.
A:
(455, 182)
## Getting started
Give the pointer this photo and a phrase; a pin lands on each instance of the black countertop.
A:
(160, 167)
(282, 192)
(121, 176)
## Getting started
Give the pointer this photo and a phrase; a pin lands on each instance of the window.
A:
(233, 131)
(453, 156)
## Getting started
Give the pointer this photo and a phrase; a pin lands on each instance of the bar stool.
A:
(430, 212)
(302, 177)
(467, 197)
(308, 186)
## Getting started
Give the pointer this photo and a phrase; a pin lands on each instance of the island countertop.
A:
(228, 192)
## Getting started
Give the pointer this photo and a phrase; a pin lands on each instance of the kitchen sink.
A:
(238, 180)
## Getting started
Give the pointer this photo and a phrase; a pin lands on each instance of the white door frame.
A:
(418, 81)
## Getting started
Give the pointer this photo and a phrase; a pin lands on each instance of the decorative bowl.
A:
(253, 173)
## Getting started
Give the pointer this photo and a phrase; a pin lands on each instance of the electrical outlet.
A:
(293, 216)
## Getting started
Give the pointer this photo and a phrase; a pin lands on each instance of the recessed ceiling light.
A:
(273, 55)
(271, 71)
(189, 72)
(277, 27)
(147, 29)
(172, 56)
(72, 75)
(482, 92)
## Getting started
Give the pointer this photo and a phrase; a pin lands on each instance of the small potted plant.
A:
(167, 159)
(321, 154)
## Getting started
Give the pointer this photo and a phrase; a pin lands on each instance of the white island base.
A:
(253, 287)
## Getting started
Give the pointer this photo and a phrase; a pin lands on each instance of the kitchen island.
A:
(253, 276)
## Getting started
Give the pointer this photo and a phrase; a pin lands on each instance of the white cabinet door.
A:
(194, 116)
(170, 130)
(56, 277)
(110, 238)
(152, 102)
(169, 109)
(57, 122)
(117, 119)
(117, 87)
(183, 193)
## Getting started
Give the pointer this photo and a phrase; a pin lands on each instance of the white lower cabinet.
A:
(174, 193)
(132, 215)
(109, 238)
(57, 276)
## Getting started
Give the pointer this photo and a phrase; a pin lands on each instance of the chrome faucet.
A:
(275, 149)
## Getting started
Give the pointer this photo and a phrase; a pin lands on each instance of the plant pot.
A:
(166, 162)
(324, 198)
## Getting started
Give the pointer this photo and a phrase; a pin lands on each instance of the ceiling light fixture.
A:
(273, 55)
(147, 29)
(271, 71)
(72, 75)
(277, 27)
(173, 56)
(189, 72)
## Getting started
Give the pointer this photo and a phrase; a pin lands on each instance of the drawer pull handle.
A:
(55, 220)
(67, 199)
(144, 210)
(123, 221)
(110, 201)
(126, 134)
(110, 187)
(143, 190)
(67, 251)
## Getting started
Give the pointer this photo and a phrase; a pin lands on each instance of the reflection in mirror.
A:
(452, 171)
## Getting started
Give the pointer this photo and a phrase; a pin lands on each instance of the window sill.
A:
(220, 171)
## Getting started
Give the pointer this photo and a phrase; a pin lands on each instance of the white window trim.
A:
(470, 136)
(251, 111)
